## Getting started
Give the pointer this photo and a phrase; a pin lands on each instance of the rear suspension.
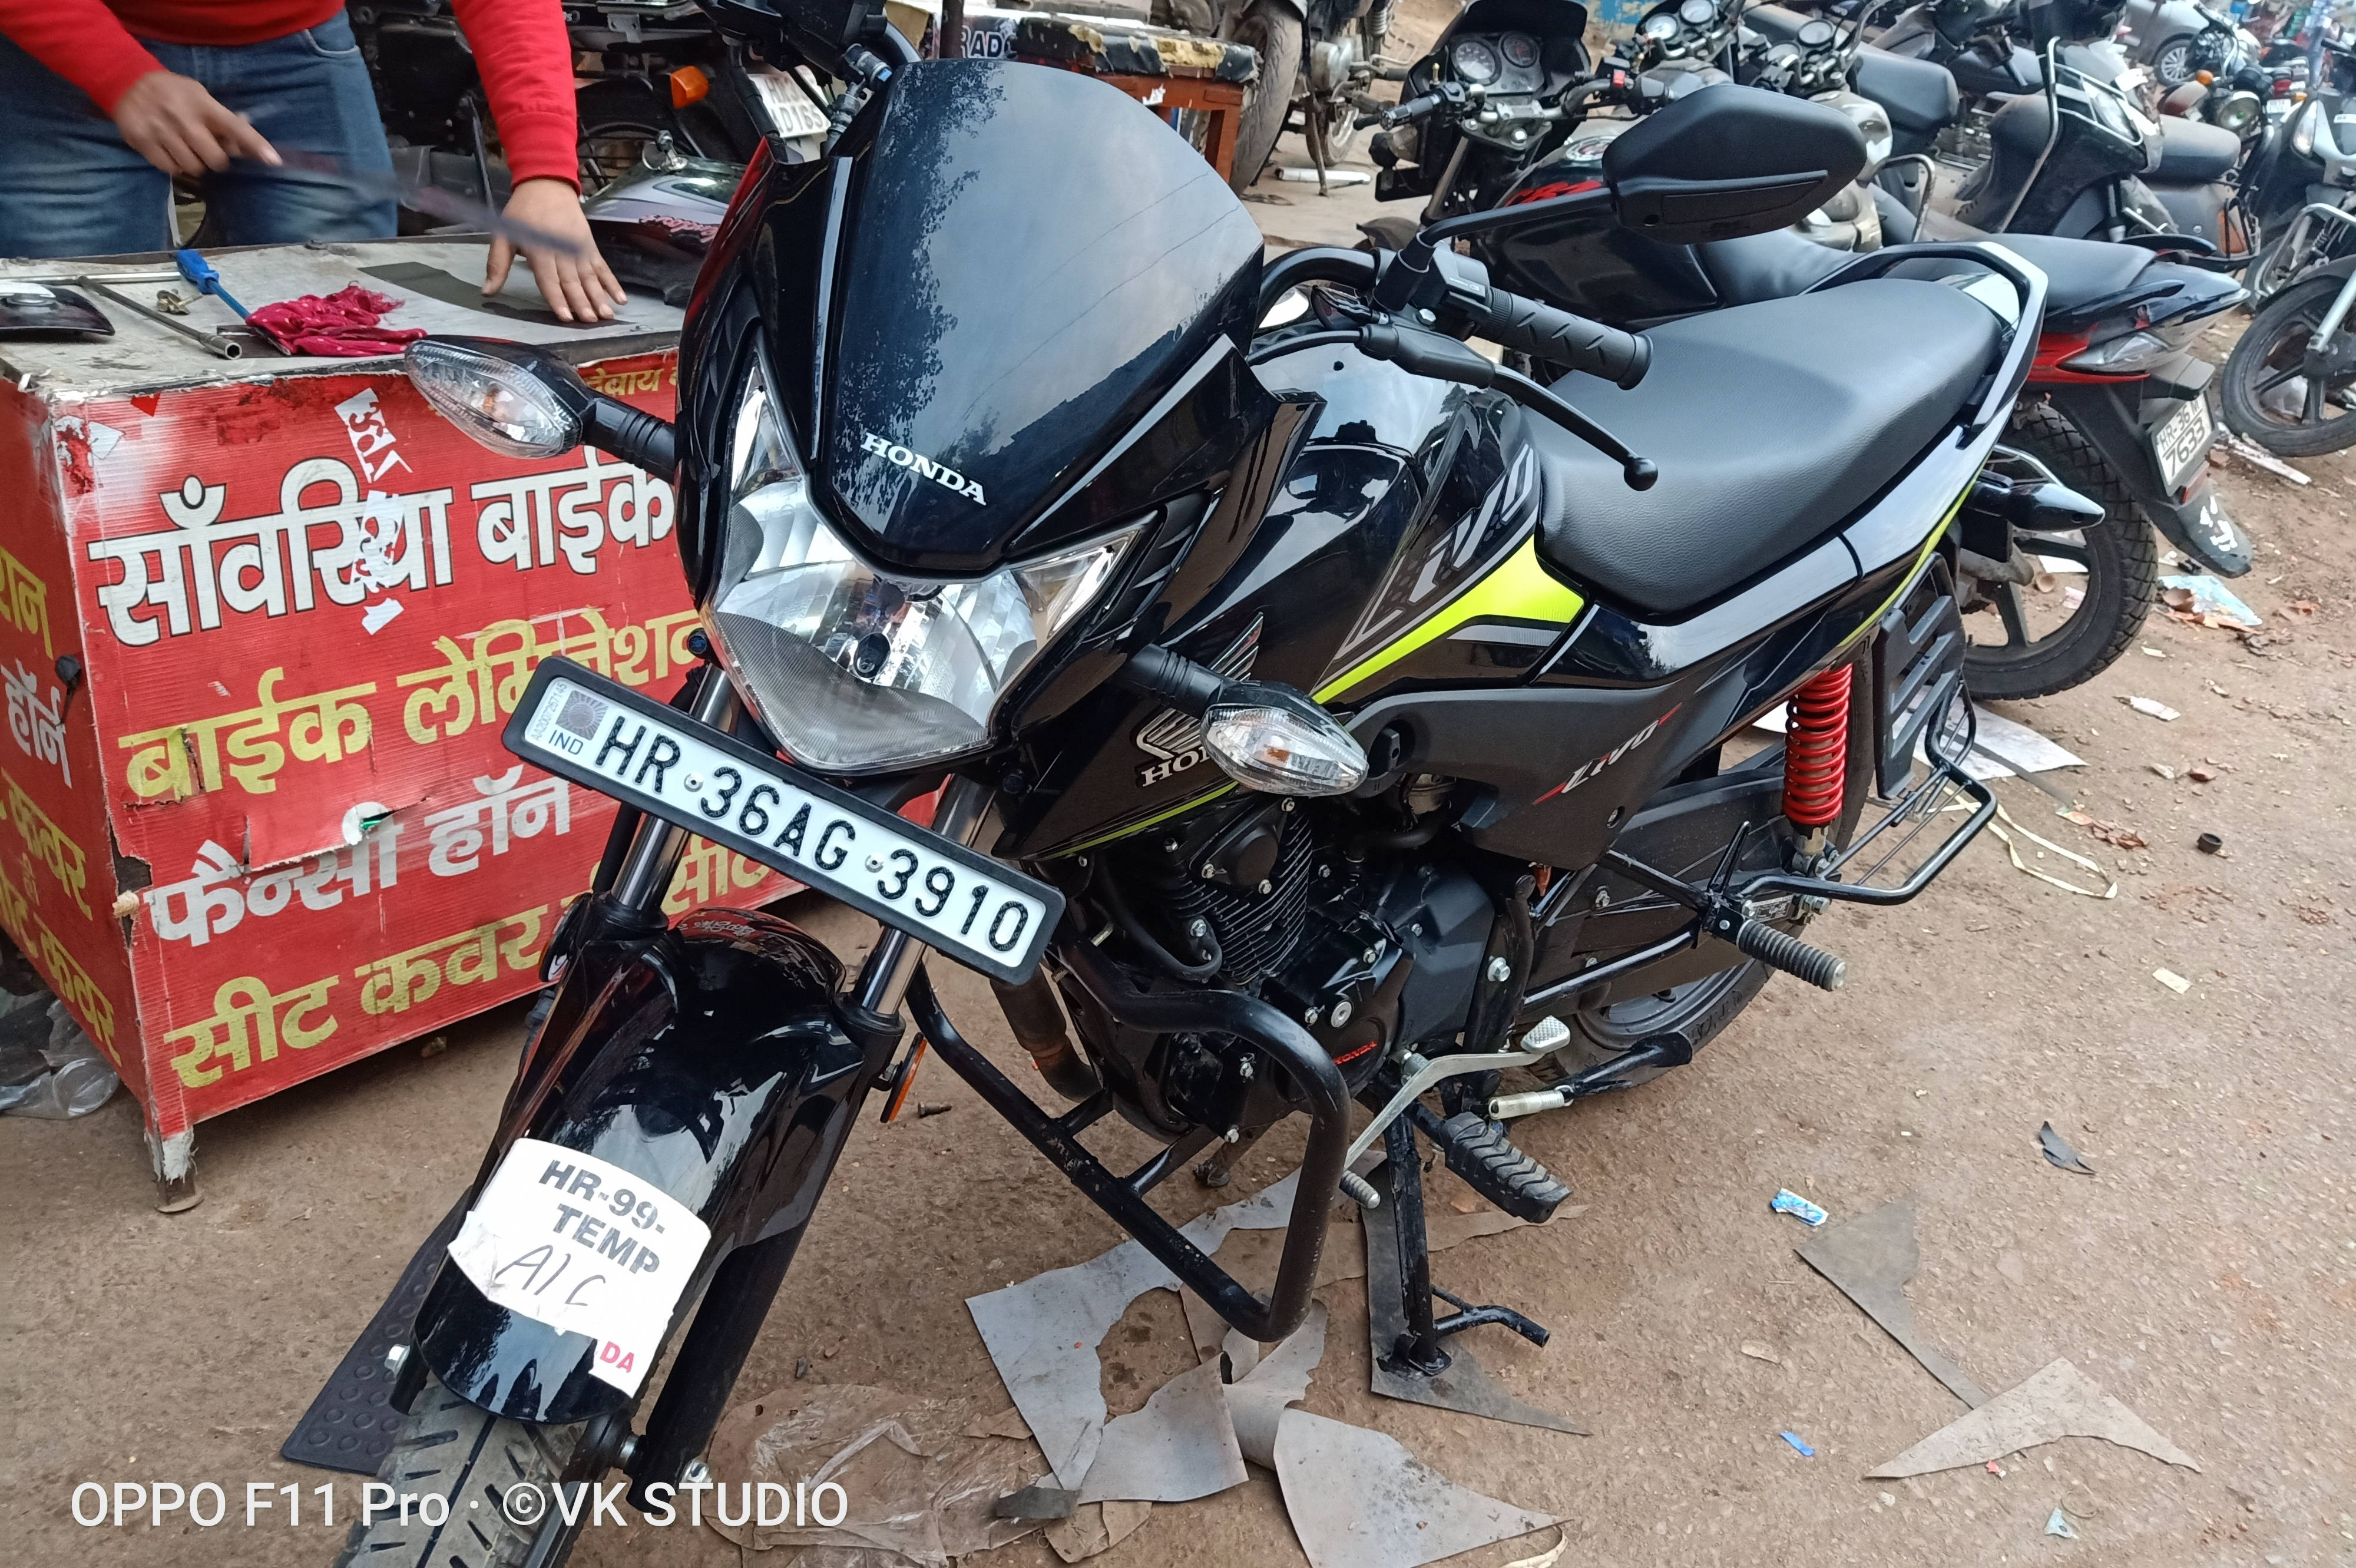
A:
(1815, 750)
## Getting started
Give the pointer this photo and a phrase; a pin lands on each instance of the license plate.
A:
(2180, 443)
(596, 732)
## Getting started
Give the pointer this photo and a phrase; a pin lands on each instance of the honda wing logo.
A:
(1174, 739)
(940, 474)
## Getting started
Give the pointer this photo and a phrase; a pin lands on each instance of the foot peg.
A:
(1778, 950)
(1479, 1151)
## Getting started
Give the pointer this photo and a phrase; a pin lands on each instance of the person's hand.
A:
(173, 123)
(575, 283)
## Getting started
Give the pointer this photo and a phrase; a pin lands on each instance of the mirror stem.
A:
(635, 436)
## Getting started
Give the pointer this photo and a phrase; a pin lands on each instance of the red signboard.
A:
(259, 641)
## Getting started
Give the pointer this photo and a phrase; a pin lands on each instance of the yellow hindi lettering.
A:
(248, 1025)
(476, 956)
(185, 758)
(47, 842)
(25, 601)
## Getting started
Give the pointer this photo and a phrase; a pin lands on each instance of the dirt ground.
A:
(2206, 1275)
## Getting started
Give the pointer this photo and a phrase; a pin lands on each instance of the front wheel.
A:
(2030, 644)
(2278, 393)
(1271, 28)
(497, 1475)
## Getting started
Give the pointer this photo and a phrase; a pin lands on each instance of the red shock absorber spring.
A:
(1816, 749)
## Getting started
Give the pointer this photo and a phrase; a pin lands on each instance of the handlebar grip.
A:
(1413, 109)
(1560, 337)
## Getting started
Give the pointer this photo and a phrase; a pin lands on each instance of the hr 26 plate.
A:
(596, 732)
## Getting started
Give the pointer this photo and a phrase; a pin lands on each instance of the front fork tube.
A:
(713, 1352)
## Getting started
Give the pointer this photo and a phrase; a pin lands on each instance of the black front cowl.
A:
(1031, 261)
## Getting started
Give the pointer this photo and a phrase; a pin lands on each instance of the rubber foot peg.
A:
(1780, 950)
(1479, 1151)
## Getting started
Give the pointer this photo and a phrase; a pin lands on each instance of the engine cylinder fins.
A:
(1257, 931)
(1815, 748)
(1779, 949)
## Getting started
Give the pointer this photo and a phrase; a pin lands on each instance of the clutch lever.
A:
(1443, 357)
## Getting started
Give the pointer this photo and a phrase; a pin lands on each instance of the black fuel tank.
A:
(1031, 259)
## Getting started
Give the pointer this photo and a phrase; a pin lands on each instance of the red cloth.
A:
(343, 324)
(520, 46)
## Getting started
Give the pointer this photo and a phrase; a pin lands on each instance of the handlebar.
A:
(1560, 337)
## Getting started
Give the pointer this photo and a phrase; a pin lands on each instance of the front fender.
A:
(707, 1059)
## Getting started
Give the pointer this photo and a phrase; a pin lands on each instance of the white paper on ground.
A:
(1043, 1334)
(1180, 1446)
(1359, 1499)
(2011, 746)
(1256, 1402)
(2055, 1403)
(581, 1245)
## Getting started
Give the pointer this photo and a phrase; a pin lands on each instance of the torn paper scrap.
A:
(1180, 1446)
(2056, 1402)
(910, 1484)
(1007, 1423)
(1255, 1402)
(1359, 1499)
(1043, 1334)
(1093, 1527)
(1870, 1259)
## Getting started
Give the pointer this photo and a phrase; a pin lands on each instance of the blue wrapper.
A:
(1791, 1203)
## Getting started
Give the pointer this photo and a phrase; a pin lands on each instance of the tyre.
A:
(1272, 28)
(2028, 644)
(1700, 1010)
(2266, 391)
(458, 1451)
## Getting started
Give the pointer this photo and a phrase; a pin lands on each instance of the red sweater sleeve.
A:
(82, 41)
(525, 56)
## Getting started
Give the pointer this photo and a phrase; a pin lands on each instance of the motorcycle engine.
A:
(1363, 943)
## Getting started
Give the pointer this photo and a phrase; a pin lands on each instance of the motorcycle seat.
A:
(1779, 263)
(1919, 95)
(1772, 423)
(2193, 152)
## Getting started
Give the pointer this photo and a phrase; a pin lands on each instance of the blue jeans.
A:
(69, 185)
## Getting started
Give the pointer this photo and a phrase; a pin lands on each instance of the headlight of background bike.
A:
(2238, 112)
(854, 670)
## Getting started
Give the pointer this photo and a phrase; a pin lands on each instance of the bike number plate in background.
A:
(2181, 442)
(605, 735)
(581, 1245)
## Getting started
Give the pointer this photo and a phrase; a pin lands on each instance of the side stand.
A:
(1404, 1335)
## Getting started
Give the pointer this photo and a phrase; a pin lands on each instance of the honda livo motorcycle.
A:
(1309, 711)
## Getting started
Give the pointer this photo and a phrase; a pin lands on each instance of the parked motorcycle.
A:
(2115, 405)
(1307, 714)
(2290, 381)
(1502, 85)
(646, 72)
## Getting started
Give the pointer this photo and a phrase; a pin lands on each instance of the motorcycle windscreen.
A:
(1032, 258)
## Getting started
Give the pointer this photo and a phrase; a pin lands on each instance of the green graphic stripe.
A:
(1141, 827)
(1520, 589)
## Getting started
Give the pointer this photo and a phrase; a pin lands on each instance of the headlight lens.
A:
(854, 670)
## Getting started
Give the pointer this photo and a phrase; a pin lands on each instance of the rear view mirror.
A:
(1731, 161)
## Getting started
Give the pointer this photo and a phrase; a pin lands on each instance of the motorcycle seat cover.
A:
(2193, 152)
(1771, 423)
(1779, 263)
(1919, 95)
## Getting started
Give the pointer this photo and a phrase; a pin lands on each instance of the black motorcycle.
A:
(2290, 381)
(1309, 715)
(2114, 403)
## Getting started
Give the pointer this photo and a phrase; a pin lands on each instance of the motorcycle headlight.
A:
(853, 669)
(2239, 112)
(2302, 135)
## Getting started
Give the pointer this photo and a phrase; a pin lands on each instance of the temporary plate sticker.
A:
(582, 1245)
